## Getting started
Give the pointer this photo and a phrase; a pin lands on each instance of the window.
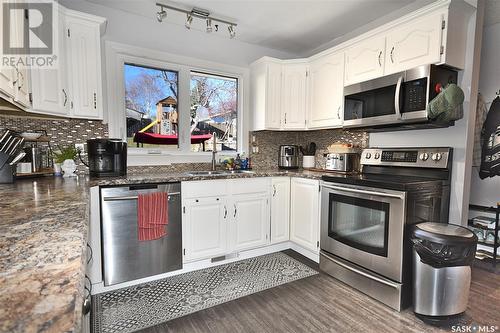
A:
(214, 109)
(151, 107)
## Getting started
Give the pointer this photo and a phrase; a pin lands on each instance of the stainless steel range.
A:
(365, 218)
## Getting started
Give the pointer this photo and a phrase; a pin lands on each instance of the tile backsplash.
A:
(268, 143)
(62, 132)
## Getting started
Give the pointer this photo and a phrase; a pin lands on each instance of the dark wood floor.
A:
(323, 304)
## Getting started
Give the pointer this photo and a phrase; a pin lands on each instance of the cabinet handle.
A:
(392, 54)
(95, 100)
(235, 210)
(380, 59)
(338, 113)
(225, 211)
(274, 190)
(65, 97)
(285, 118)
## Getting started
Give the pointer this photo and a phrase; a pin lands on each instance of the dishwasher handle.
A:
(134, 197)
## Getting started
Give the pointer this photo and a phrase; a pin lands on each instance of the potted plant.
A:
(65, 159)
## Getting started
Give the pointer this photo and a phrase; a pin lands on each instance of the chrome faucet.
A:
(214, 150)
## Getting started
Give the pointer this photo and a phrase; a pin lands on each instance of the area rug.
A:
(148, 304)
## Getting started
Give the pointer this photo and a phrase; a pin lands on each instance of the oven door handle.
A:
(355, 190)
(397, 96)
(360, 272)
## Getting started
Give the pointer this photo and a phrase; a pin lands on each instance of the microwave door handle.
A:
(396, 97)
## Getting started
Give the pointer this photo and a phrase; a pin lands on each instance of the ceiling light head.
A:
(161, 15)
(209, 25)
(189, 20)
(232, 33)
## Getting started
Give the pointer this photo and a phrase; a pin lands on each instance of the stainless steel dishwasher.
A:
(125, 258)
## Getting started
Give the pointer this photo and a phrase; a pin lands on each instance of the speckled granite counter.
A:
(43, 234)
(173, 177)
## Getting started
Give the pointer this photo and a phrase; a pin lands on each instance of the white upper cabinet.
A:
(278, 91)
(49, 87)
(365, 60)
(414, 44)
(280, 209)
(84, 67)
(294, 96)
(74, 88)
(266, 77)
(326, 87)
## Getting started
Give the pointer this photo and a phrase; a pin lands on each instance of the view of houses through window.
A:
(151, 102)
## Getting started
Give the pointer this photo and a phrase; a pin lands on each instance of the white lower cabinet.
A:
(280, 209)
(304, 213)
(249, 226)
(224, 216)
(204, 228)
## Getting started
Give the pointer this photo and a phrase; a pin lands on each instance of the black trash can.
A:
(442, 260)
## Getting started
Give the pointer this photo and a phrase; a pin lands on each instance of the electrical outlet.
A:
(253, 138)
(80, 147)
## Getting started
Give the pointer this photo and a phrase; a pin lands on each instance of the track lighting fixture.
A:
(189, 20)
(209, 25)
(197, 13)
(161, 15)
(232, 33)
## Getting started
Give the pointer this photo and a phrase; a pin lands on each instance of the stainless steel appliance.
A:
(288, 157)
(364, 217)
(442, 258)
(342, 162)
(107, 157)
(125, 257)
(395, 99)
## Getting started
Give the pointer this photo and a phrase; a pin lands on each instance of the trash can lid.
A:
(444, 233)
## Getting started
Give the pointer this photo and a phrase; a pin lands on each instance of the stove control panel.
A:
(407, 157)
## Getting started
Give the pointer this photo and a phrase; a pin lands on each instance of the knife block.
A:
(6, 172)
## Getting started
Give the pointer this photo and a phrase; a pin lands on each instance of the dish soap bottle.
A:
(237, 162)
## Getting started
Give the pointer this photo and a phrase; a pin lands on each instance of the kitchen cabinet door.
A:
(249, 221)
(280, 210)
(294, 96)
(21, 89)
(365, 60)
(7, 78)
(273, 95)
(326, 82)
(84, 67)
(414, 44)
(49, 87)
(304, 213)
(204, 228)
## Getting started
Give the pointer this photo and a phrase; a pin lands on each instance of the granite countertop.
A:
(184, 176)
(43, 237)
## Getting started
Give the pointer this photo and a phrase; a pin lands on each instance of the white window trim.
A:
(118, 54)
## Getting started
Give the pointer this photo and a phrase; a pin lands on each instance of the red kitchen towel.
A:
(152, 215)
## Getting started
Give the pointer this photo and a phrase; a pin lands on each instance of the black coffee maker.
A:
(107, 157)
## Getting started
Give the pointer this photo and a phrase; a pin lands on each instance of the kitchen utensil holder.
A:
(6, 172)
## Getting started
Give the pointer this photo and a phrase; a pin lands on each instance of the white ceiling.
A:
(293, 26)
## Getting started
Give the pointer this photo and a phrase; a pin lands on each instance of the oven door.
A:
(364, 226)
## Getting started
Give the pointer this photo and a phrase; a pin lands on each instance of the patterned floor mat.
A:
(148, 304)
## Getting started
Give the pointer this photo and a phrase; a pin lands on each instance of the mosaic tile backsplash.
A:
(62, 132)
(270, 141)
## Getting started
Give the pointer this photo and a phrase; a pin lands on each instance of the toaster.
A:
(342, 162)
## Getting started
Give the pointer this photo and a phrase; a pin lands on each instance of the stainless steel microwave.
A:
(395, 98)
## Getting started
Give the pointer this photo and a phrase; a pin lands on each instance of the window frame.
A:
(117, 55)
